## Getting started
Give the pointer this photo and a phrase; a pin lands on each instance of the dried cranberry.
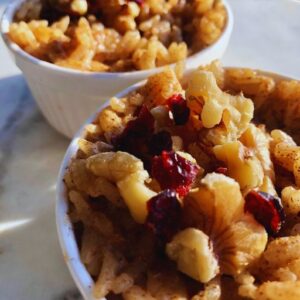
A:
(159, 142)
(266, 209)
(164, 212)
(173, 171)
(139, 2)
(221, 170)
(136, 134)
(179, 109)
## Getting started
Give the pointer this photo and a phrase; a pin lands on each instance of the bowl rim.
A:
(63, 224)
(8, 14)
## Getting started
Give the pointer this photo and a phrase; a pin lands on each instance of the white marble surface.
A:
(266, 36)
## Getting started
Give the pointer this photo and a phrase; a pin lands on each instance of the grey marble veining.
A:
(17, 105)
(266, 36)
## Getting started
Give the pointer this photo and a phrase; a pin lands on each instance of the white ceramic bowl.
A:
(64, 227)
(67, 97)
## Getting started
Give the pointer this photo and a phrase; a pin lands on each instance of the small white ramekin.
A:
(64, 226)
(67, 97)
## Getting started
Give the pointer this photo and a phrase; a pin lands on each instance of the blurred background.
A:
(265, 36)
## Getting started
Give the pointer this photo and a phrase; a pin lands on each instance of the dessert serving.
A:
(116, 35)
(190, 189)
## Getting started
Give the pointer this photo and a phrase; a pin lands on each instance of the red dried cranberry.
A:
(139, 2)
(179, 109)
(173, 171)
(136, 134)
(164, 214)
(221, 170)
(159, 142)
(266, 209)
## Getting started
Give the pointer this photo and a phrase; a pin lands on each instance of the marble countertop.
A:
(265, 36)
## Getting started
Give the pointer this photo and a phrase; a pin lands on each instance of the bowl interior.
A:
(8, 15)
(64, 226)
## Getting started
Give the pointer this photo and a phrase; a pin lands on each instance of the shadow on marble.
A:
(4, 2)
(19, 117)
(17, 104)
(70, 295)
